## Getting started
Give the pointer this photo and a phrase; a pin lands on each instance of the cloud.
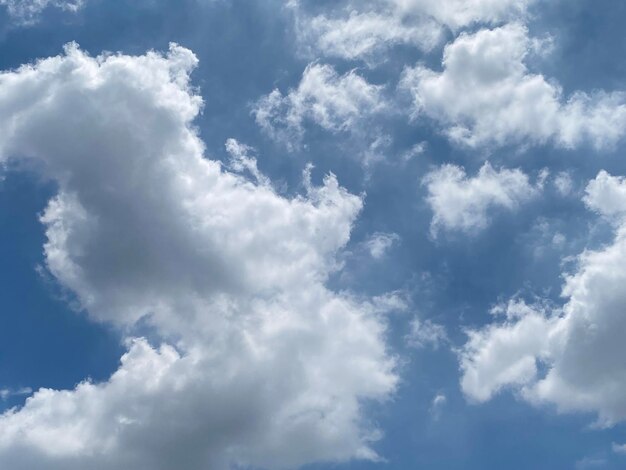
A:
(380, 243)
(364, 35)
(27, 11)
(6, 393)
(241, 161)
(462, 203)
(260, 364)
(336, 103)
(415, 151)
(571, 356)
(436, 407)
(366, 30)
(504, 354)
(618, 448)
(590, 462)
(486, 95)
(563, 183)
(606, 195)
(457, 14)
(426, 334)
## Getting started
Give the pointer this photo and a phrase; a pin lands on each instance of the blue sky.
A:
(312, 234)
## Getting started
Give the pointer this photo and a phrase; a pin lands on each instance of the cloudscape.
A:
(285, 234)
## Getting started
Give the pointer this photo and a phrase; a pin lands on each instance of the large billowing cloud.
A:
(462, 203)
(572, 357)
(261, 364)
(486, 95)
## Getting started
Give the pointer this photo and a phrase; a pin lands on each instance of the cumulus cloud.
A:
(504, 354)
(260, 363)
(336, 103)
(486, 95)
(28, 11)
(365, 30)
(606, 195)
(462, 203)
(572, 356)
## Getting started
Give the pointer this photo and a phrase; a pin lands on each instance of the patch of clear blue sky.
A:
(245, 50)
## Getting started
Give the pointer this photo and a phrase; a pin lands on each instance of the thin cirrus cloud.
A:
(260, 363)
(486, 96)
(27, 11)
(570, 357)
(465, 203)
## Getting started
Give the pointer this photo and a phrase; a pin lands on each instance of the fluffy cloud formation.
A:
(27, 11)
(364, 35)
(486, 95)
(606, 195)
(261, 364)
(571, 357)
(463, 203)
(365, 30)
(334, 102)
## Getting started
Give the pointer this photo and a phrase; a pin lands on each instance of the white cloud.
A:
(570, 357)
(563, 183)
(459, 13)
(366, 34)
(242, 161)
(606, 195)
(590, 462)
(380, 243)
(337, 103)
(464, 203)
(261, 364)
(486, 95)
(415, 151)
(6, 393)
(439, 401)
(28, 11)
(619, 448)
(426, 334)
(504, 354)
(365, 30)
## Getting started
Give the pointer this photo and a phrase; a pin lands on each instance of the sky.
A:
(283, 234)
